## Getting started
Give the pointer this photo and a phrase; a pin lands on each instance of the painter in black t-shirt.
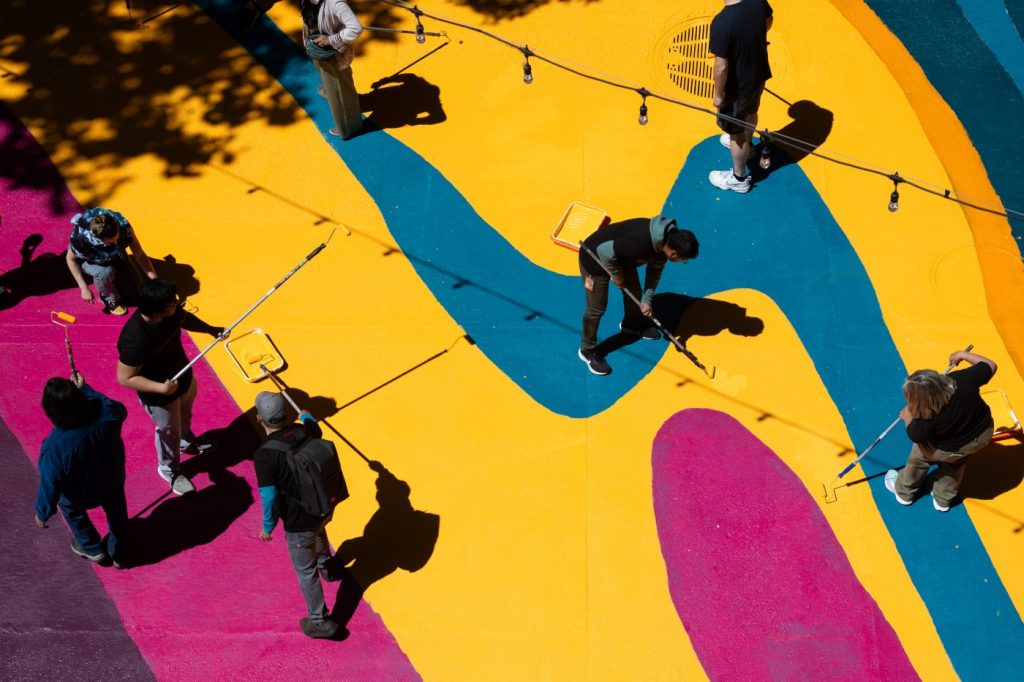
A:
(963, 418)
(155, 348)
(948, 422)
(150, 353)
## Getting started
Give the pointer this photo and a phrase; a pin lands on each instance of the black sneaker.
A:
(77, 549)
(324, 629)
(595, 363)
(650, 333)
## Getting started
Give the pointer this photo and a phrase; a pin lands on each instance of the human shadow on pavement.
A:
(404, 99)
(993, 471)
(180, 523)
(396, 536)
(811, 125)
(40, 275)
(687, 317)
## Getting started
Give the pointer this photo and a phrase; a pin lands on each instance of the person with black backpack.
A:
(300, 482)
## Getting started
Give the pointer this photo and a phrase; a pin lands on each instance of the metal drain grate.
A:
(686, 59)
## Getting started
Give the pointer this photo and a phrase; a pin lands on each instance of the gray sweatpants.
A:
(171, 422)
(103, 279)
(309, 551)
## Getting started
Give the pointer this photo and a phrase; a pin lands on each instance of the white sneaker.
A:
(890, 484)
(938, 507)
(726, 180)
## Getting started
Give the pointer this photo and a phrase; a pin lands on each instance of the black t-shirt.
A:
(272, 469)
(739, 35)
(157, 349)
(963, 418)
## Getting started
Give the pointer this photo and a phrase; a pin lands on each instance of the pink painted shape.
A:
(758, 579)
(227, 609)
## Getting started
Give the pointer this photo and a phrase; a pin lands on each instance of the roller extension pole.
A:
(891, 427)
(657, 323)
(253, 307)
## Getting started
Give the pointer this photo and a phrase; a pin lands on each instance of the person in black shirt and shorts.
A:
(149, 354)
(948, 421)
(739, 41)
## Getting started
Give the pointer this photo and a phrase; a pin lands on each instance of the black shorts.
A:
(740, 108)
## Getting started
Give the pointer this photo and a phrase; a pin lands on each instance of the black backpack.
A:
(317, 473)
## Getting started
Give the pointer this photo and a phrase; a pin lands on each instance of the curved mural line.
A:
(780, 239)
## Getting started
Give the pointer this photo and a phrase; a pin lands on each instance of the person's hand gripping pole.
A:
(227, 331)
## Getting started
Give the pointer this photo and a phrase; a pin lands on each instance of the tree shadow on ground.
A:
(496, 10)
(396, 536)
(92, 87)
(993, 471)
(181, 523)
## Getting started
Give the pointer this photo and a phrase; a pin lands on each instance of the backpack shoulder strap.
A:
(275, 444)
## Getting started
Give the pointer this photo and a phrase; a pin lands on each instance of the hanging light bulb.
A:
(894, 198)
(421, 35)
(766, 155)
(527, 68)
(643, 106)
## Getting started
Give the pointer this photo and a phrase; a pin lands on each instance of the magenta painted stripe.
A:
(759, 580)
(218, 603)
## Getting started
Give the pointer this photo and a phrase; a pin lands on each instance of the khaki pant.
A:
(947, 476)
(342, 98)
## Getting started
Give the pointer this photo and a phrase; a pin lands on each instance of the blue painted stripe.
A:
(993, 25)
(780, 239)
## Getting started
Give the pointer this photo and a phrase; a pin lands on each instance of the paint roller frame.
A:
(256, 359)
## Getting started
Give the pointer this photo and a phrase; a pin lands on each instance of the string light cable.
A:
(768, 137)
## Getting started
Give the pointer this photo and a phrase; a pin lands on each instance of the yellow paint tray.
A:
(252, 349)
(1007, 424)
(578, 222)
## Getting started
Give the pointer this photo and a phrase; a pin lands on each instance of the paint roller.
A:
(64, 320)
(227, 331)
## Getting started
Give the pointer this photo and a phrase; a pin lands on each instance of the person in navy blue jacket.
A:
(81, 466)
